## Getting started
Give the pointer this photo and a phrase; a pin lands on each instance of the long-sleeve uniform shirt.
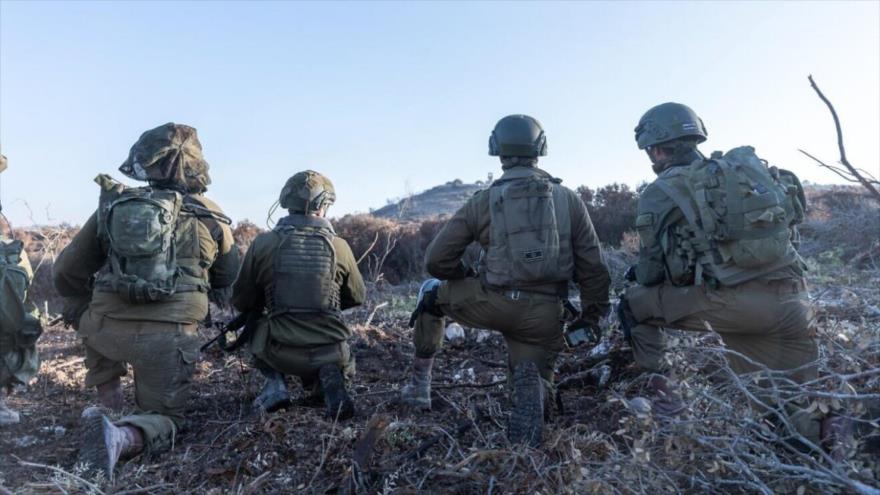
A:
(296, 330)
(471, 223)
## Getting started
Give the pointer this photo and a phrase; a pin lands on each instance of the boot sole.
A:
(94, 453)
(526, 424)
(339, 404)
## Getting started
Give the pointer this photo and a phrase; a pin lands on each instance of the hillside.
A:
(439, 201)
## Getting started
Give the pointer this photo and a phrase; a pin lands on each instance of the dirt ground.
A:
(598, 443)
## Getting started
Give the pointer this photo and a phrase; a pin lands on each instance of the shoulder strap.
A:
(306, 221)
(212, 219)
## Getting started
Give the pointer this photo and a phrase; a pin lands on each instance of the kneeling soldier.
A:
(158, 252)
(300, 277)
(536, 237)
(19, 330)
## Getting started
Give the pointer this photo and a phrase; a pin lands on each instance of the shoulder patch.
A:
(645, 220)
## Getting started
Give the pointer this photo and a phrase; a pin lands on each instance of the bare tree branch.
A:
(852, 170)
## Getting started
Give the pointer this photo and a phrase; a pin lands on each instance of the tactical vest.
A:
(305, 267)
(18, 328)
(740, 214)
(529, 231)
(141, 227)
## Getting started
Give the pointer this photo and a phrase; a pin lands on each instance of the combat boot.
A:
(665, 399)
(837, 436)
(336, 399)
(274, 395)
(417, 393)
(7, 416)
(526, 424)
(104, 443)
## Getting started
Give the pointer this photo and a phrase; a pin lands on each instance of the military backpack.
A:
(19, 330)
(138, 226)
(740, 215)
(529, 231)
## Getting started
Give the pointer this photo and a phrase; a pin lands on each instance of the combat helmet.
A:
(667, 122)
(169, 156)
(307, 192)
(518, 136)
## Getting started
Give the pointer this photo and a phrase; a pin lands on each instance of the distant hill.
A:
(439, 201)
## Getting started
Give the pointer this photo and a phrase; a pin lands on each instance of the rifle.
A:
(246, 320)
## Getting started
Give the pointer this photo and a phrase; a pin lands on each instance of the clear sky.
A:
(390, 98)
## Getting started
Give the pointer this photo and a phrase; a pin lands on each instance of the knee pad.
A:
(427, 300)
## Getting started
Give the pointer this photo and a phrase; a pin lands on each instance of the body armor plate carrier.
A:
(305, 267)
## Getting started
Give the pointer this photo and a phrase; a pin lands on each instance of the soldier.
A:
(536, 237)
(298, 279)
(19, 330)
(716, 252)
(159, 252)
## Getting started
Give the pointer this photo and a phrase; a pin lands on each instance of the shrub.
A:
(613, 210)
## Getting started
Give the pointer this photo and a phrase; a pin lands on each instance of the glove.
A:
(630, 274)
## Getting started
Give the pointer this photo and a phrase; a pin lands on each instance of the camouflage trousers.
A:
(531, 324)
(304, 362)
(163, 357)
(768, 322)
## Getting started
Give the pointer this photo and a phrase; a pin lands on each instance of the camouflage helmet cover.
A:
(667, 122)
(169, 155)
(307, 192)
(518, 135)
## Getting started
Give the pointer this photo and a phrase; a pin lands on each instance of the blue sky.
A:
(391, 98)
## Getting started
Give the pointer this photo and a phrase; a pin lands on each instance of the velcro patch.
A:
(533, 255)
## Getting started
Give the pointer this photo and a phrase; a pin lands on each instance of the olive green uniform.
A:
(766, 319)
(18, 362)
(298, 343)
(530, 320)
(158, 339)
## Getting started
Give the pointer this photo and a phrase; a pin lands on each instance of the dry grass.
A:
(598, 444)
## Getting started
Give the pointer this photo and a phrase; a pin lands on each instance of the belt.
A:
(517, 294)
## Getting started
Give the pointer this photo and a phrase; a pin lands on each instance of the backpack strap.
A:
(214, 220)
(701, 240)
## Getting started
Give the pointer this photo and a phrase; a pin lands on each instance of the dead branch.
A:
(363, 452)
(851, 170)
(373, 313)
(369, 248)
(442, 386)
(460, 429)
(93, 487)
